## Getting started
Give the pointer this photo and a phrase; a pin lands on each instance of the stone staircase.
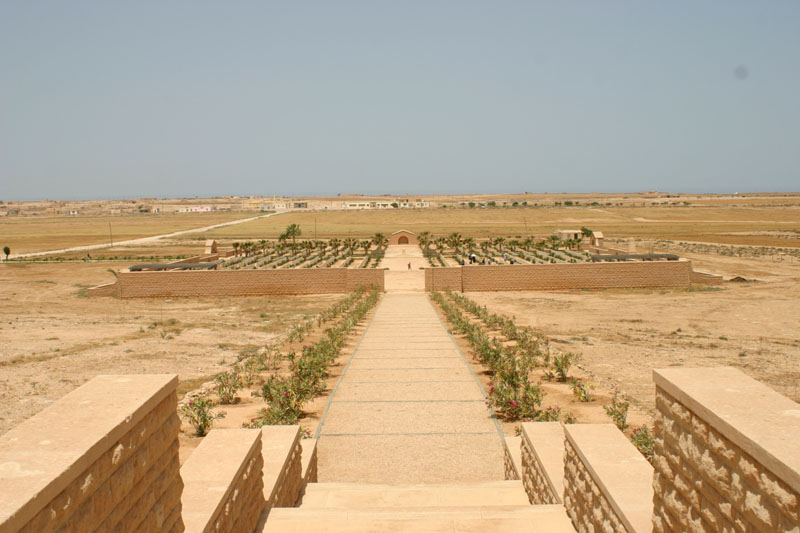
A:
(356, 507)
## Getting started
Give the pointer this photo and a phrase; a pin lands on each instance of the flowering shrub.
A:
(199, 412)
(618, 411)
(550, 414)
(228, 384)
(561, 364)
(286, 395)
(644, 442)
(580, 390)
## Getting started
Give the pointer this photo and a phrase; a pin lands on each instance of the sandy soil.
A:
(53, 340)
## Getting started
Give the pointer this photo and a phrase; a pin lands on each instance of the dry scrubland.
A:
(726, 224)
(54, 339)
(37, 234)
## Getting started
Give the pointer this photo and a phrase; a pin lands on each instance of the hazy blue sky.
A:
(112, 99)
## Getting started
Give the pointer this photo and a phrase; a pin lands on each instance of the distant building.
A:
(568, 234)
(198, 209)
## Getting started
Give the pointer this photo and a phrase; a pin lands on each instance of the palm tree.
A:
(236, 246)
(365, 245)
(554, 241)
(380, 240)
(351, 244)
(262, 245)
(441, 244)
(500, 243)
(335, 243)
(424, 239)
(292, 232)
(469, 244)
(454, 240)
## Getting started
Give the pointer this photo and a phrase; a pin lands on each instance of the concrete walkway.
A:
(408, 408)
(399, 277)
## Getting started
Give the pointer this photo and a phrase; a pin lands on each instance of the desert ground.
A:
(54, 338)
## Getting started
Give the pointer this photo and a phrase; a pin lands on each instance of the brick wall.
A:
(224, 489)
(104, 457)
(727, 454)
(629, 274)
(241, 282)
(441, 278)
(607, 482)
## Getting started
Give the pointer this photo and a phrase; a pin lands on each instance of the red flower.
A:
(514, 403)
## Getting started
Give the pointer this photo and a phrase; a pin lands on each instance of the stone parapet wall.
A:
(109, 289)
(727, 454)
(224, 489)
(283, 469)
(512, 458)
(241, 282)
(103, 458)
(627, 274)
(543, 462)
(607, 482)
(701, 278)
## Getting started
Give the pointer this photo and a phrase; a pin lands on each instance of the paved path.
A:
(141, 240)
(408, 408)
(399, 277)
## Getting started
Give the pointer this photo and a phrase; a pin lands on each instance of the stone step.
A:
(530, 518)
(366, 496)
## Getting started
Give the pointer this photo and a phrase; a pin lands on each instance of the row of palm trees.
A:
(249, 247)
(455, 241)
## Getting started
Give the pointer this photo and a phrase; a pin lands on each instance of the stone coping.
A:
(759, 420)
(210, 474)
(42, 455)
(546, 439)
(619, 470)
(277, 443)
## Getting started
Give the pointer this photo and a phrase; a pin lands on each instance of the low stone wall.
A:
(543, 462)
(109, 289)
(627, 274)
(701, 278)
(607, 482)
(727, 453)
(224, 490)
(512, 458)
(240, 282)
(104, 457)
(283, 469)
(309, 460)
